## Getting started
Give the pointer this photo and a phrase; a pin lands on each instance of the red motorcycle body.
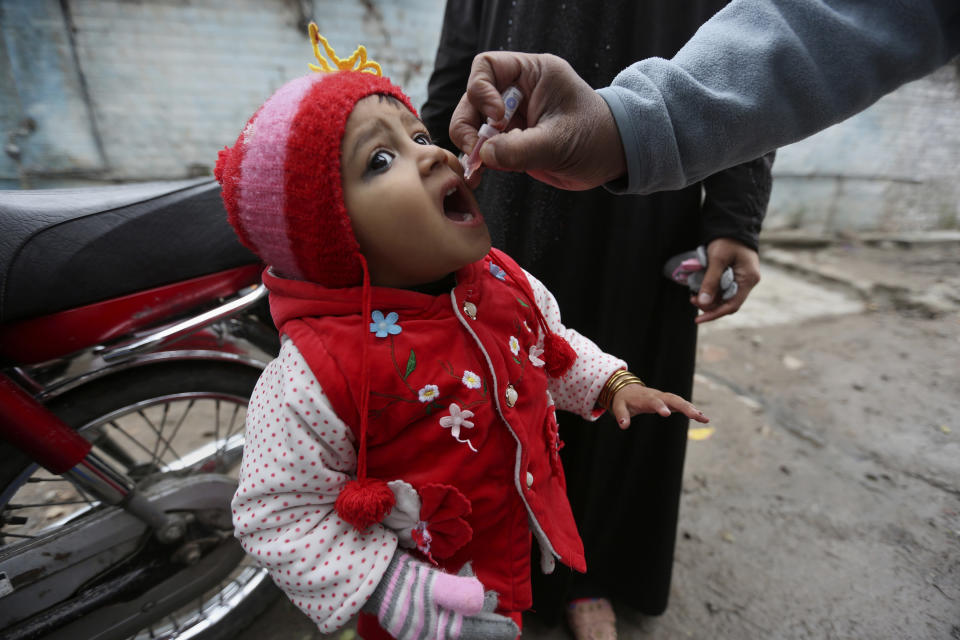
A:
(103, 290)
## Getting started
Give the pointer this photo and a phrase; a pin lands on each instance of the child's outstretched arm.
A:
(625, 396)
(584, 390)
(577, 390)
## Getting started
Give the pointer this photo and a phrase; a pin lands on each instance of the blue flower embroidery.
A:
(497, 272)
(384, 326)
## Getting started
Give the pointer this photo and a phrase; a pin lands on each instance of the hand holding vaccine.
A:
(511, 100)
(563, 133)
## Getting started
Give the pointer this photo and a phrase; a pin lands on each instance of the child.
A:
(406, 432)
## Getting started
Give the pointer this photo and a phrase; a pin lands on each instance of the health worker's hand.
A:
(636, 398)
(563, 134)
(723, 253)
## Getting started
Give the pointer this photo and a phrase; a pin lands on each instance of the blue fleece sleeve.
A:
(764, 73)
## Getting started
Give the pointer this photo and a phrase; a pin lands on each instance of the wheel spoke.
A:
(12, 506)
(113, 423)
(176, 429)
(159, 433)
(216, 421)
(113, 449)
(233, 419)
(7, 534)
(90, 500)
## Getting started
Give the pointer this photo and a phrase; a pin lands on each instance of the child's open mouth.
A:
(459, 207)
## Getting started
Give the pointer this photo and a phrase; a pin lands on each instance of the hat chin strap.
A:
(364, 501)
(366, 306)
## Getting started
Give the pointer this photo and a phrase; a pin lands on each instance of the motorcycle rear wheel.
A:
(171, 418)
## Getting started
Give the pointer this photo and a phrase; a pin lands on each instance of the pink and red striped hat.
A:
(281, 180)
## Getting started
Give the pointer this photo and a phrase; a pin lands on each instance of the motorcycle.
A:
(133, 327)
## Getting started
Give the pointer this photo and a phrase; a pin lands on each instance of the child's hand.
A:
(415, 601)
(636, 398)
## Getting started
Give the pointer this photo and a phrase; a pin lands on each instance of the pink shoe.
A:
(592, 619)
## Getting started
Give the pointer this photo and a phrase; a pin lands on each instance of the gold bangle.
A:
(604, 397)
(623, 382)
(617, 381)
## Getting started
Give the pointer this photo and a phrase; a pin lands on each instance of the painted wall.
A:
(118, 90)
(142, 90)
(893, 167)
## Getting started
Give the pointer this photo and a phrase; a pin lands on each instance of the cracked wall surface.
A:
(160, 86)
(890, 168)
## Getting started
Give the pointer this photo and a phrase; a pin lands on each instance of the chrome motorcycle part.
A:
(159, 424)
(169, 334)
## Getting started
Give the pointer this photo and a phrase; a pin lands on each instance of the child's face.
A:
(395, 186)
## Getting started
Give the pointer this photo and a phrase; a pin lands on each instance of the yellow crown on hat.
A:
(356, 62)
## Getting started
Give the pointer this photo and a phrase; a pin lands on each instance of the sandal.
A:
(592, 619)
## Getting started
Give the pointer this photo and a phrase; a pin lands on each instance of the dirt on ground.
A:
(823, 499)
(827, 502)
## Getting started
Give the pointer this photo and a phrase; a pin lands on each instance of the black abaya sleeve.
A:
(455, 52)
(735, 201)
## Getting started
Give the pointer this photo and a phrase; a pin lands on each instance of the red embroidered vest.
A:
(433, 364)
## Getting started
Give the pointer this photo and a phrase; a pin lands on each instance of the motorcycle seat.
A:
(64, 248)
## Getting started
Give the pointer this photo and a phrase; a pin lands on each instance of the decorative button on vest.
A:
(529, 479)
(511, 395)
(471, 310)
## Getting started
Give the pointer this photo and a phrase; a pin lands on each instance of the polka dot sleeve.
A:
(297, 456)
(578, 390)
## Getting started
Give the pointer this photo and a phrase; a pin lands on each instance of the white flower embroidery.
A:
(429, 393)
(514, 345)
(471, 380)
(535, 353)
(458, 418)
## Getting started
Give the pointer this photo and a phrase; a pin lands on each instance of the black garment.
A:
(602, 257)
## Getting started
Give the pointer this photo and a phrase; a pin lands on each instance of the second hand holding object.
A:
(512, 98)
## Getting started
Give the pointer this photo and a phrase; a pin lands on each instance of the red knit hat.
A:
(281, 181)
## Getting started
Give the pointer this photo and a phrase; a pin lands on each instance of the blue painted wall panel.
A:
(43, 83)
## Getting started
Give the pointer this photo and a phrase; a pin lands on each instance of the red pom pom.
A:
(365, 502)
(223, 157)
(558, 355)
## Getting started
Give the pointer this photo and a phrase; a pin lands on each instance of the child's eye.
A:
(380, 160)
(422, 138)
